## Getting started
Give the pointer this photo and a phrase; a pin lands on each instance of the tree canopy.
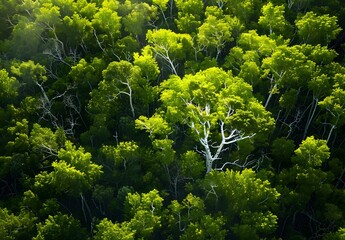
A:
(172, 119)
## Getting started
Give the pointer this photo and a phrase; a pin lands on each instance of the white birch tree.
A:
(169, 47)
(218, 110)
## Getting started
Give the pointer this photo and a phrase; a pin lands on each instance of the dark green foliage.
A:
(60, 226)
(172, 119)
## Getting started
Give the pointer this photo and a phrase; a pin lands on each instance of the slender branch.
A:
(227, 139)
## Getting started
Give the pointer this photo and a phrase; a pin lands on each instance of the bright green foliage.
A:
(214, 103)
(288, 99)
(161, 14)
(207, 227)
(147, 201)
(141, 13)
(234, 59)
(13, 227)
(217, 30)
(143, 212)
(190, 210)
(107, 24)
(73, 173)
(316, 29)
(124, 79)
(243, 195)
(250, 72)
(321, 55)
(320, 85)
(65, 178)
(168, 46)
(288, 66)
(190, 7)
(251, 40)
(21, 132)
(67, 7)
(306, 176)
(163, 39)
(122, 71)
(155, 125)
(245, 59)
(78, 29)
(43, 139)
(31, 200)
(260, 222)
(338, 235)
(109, 4)
(242, 9)
(204, 100)
(81, 160)
(190, 13)
(334, 104)
(86, 9)
(161, 4)
(273, 20)
(48, 15)
(28, 5)
(311, 153)
(125, 47)
(15, 161)
(234, 192)
(122, 154)
(189, 217)
(147, 63)
(211, 98)
(60, 226)
(121, 80)
(339, 79)
(29, 72)
(108, 230)
(8, 86)
(86, 74)
(164, 151)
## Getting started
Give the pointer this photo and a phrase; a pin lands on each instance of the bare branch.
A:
(98, 42)
(228, 137)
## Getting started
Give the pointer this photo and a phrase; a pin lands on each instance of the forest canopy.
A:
(172, 119)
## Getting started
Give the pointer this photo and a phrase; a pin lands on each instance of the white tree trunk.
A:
(212, 152)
